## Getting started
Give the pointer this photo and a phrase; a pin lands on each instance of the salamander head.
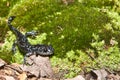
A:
(47, 50)
(50, 49)
(44, 50)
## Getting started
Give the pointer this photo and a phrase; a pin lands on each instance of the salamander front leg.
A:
(31, 33)
(27, 55)
(14, 47)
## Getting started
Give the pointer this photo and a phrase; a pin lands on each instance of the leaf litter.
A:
(39, 68)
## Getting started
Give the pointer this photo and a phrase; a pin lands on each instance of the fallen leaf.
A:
(22, 76)
(79, 77)
(45, 79)
(4, 77)
(101, 74)
(2, 63)
(8, 72)
(33, 78)
(113, 77)
(40, 67)
(15, 64)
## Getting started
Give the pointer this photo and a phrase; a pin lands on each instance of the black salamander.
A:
(24, 45)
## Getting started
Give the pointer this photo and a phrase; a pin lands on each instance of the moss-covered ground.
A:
(83, 33)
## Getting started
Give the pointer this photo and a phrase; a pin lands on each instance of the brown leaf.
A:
(22, 76)
(33, 69)
(33, 78)
(15, 68)
(2, 63)
(15, 64)
(1, 44)
(79, 77)
(45, 79)
(8, 72)
(113, 77)
(39, 66)
(100, 74)
(4, 77)
(9, 78)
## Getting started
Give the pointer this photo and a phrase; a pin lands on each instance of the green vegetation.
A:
(81, 32)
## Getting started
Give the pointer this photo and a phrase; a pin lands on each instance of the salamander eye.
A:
(51, 48)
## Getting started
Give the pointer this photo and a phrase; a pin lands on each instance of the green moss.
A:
(5, 6)
(107, 57)
(67, 27)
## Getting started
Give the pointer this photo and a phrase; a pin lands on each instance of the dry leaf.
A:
(101, 74)
(4, 77)
(22, 76)
(79, 77)
(40, 66)
(113, 77)
(2, 63)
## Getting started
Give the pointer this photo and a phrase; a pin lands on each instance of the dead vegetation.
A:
(39, 68)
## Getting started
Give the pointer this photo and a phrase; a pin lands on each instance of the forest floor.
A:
(14, 71)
